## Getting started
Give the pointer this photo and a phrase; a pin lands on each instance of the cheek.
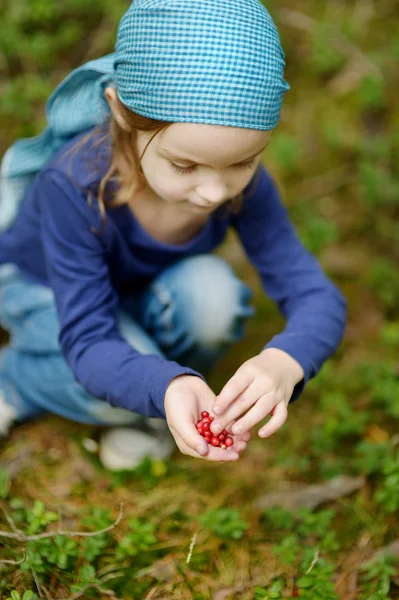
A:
(166, 184)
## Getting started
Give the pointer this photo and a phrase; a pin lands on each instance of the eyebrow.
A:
(193, 162)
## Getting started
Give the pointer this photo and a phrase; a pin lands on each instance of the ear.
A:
(112, 99)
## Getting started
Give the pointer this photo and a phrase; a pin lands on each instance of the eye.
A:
(182, 170)
(247, 165)
(187, 170)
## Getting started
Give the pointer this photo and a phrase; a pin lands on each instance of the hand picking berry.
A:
(222, 440)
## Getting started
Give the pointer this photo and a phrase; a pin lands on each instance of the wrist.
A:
(287, 363)
(175, 383)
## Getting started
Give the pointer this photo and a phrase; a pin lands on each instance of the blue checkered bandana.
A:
(205, 61)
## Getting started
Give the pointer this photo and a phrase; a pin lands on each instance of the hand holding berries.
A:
(262, 386)
(186, 397)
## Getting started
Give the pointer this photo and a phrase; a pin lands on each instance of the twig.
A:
(21, 537)
(190, 552)
(11, 523)
(37, 582)
(314, 561)
(95, 586)
(14, 562)
(151, 592)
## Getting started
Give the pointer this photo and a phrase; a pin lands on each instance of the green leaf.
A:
(305, 582)
(4, 483)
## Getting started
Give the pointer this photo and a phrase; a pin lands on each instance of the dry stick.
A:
(14, 562)
(314, 561)
(11, 523)
(38, 586)
(21, 537)
(87, 587)
(190, 552)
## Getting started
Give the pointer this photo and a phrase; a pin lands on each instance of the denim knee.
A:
(197, 302)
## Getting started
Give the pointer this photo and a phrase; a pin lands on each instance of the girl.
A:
(116, 307)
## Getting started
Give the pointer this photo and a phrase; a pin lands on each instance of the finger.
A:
(213, 453)
(259, 411)
(245, 437)
(280, 413)
(228, 427)
(241, 404)
(199, 446)
(240, 446)
(233, 388)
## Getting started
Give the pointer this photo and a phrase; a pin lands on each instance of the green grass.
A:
(191, 529)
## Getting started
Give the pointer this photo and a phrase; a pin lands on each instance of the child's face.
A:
(199, 167)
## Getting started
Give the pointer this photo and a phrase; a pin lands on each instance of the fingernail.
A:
(216, 428)
(238, 430)
(217, 410)
(201, 450)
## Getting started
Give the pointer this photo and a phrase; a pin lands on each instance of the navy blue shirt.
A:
(53, 241)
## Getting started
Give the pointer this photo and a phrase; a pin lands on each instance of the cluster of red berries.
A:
(204, 428)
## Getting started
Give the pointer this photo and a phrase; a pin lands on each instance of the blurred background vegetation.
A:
(335, 157)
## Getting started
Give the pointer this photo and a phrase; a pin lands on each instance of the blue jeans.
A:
(191, 313)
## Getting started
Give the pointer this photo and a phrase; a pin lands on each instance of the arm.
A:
(87, 304)
(314, 309)
(313, 306)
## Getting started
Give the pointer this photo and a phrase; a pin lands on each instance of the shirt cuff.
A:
(161, 385)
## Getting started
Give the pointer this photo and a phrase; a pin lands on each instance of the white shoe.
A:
(125, 447)
(8, 416)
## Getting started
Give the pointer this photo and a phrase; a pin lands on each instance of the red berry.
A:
(215, 441)
(228, 441)
(206, 426)
(205, 413)
(224, 432)
(222, 437)
(206, 420)
(211, 419)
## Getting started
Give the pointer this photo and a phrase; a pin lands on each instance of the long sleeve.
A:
(314, 308)
(87, 304)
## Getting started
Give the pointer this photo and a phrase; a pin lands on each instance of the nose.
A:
(212, 192)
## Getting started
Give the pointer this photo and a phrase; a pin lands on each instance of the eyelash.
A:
(188, 170)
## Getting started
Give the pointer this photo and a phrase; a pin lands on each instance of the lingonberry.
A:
(223, 440)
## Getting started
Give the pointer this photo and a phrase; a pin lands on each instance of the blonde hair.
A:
(125, 165)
